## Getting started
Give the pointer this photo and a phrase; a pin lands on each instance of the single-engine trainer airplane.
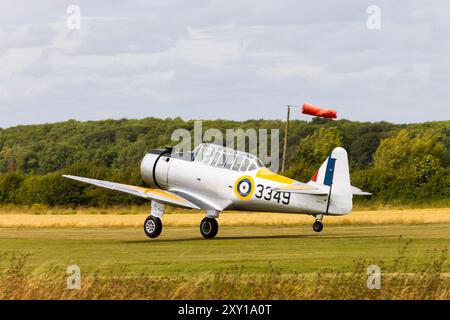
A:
(215, 178)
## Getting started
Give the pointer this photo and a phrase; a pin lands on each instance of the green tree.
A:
(9, 185)
(406, 148)
(397, 162)
(422, 154)
(312, 152)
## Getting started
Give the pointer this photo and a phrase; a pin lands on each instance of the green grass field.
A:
(184, 251)
(181, 258)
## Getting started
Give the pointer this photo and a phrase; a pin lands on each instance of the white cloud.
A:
(209, 53)
(209, 59)
(15, 60)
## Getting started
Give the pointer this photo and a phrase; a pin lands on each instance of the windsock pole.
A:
(286, 131)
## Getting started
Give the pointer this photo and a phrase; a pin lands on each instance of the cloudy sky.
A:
(223, 59)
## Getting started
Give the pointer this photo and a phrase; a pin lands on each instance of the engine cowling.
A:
(155, 168)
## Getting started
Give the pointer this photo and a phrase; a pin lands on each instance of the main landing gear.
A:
(152, 226)
(318, 225)
(209, 228)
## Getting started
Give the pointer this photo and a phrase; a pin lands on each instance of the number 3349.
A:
(266, 193)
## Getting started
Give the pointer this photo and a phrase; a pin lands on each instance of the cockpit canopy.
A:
(222, 157)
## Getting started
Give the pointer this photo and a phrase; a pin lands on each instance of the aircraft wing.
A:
(205, 202)
(158, 195)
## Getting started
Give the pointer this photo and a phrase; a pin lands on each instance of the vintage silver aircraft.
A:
(215, 178)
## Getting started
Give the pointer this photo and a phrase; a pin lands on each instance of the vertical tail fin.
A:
(335, 174)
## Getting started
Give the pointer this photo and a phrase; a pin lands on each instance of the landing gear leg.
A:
(318, 225)
(153, 225)
(209, 226)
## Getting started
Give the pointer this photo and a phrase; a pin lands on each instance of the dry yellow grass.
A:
(116, 217)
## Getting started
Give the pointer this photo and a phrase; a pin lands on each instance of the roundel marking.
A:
(244, 188)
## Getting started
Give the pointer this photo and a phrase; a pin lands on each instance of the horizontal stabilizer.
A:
(358, 192)
(303, 189)
(319, 190)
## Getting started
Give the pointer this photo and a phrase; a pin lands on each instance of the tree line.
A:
(398, 163)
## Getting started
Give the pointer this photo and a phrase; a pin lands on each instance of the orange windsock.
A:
(318, 112)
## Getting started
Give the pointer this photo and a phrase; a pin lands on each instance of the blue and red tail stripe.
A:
(329, 173)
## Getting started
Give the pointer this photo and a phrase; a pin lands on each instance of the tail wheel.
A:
(152, 226)
(209, 228)
(317, 226)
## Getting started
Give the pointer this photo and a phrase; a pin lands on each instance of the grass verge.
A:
(399, 281)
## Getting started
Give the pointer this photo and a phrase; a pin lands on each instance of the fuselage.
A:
(215, 178)
(250, 189)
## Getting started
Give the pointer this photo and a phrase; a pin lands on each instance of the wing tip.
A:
(68, 176)
(363, 194)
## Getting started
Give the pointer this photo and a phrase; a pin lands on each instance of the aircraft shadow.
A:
(287, 236)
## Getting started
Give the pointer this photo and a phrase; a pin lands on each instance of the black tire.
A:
(317, 226)
(152, 226)
(209, 228)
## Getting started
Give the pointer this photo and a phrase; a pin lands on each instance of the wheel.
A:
(152, 226)
(317, 226)
(209, 228)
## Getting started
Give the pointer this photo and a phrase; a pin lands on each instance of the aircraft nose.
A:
(147, 166)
